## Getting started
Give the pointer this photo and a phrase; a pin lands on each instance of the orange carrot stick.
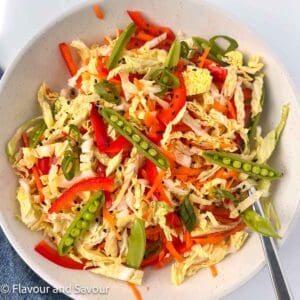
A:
(214, 270)
(135, 291)
(173, 251)
(142, 35)
(98, 12)
(203, 57)
(68, 58)
(157, 182)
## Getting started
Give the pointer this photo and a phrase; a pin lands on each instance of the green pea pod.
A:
(224, 194)
(120, 46)
(81, 222)
(68, 164)
(187, 213)
(74, 136)
(255, 120)
(184, 49)
(141, 142)
(173, 55)
(37, 133)
(259, 224)
(153, 249)
(13, 143)
(136, 244)
(235, 162)
(107, 91)
(165, 78)
(217, 50)
(203, 44)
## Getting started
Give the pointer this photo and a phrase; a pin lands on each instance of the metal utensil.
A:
(277, 276)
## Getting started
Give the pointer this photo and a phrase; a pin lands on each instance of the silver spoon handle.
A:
(278, 279)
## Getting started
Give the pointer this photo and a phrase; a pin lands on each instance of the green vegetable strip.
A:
(224, 194)
(81, 222)
(136, 244)
(153, 249)
(12, 144)
(68, 165)
(255, 121)
(184, 49)
(165, 78)
(74, 136)
(173, 55)
(37, 133)
(258, 224)
(107, 91)
(120, 46)
(234, 162)
(142, 143)
(203, 44)
(187, 214)
(219, 51)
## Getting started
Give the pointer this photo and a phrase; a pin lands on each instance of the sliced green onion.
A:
(120, 46)
(224, 194)
(68, 164)
(184, 49)
(74, 135)
(107, 91)
(37, 133)
(217, 50)
(173, 55)
(187, 213)
(165, 79)
(153, 249)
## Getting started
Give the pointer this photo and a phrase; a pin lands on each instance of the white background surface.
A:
(277, 22)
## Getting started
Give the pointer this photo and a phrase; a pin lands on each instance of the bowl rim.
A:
(80, 6)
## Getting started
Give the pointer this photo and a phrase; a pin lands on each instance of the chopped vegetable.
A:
(143, 145)
(120, 46)
(234, 162)
(36, 134)
(173, 55)
(107, 91)
(98, 12)
(51, 254)
(187, 214)
(67, 56)
(136, 244)
(82, 222)
(68, 165)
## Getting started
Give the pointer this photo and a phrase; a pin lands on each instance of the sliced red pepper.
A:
(101, 69)
(100, 129)
(68, 58)
(247, 108)
(247, 94)
(150, 261)
(156, 131)
(231, 114)
(173, 221)
(178, 101)
(181, 127)
(44, 165)
(51, 254)
(66, 198)
(100, 169)
(165, 45)
(217, 72)
(221, 214)
(120, 143)
(108, 199)
(144, 25)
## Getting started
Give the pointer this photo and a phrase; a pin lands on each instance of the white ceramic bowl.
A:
(40, 60)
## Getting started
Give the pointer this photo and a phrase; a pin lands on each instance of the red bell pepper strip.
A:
(100, 129)
(144, 25)
(134, 43)
(100, 169)
(177, 102)
(44, 165)
(51, 254)
(120, 143)
(156, 131)
(66, 198)
(173, 221)
(67, 56)
(217, 72)
(150, 261)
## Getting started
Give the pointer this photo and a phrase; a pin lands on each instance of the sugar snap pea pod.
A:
(81, 222)
(233, 161)
(37, 133)
(187, 213)
(203, 44)
(173, 55)
(255, 120)
(120, 46)
(258, 224)
(136, 244)
(184, 49)
(107, 91)
(142, 143)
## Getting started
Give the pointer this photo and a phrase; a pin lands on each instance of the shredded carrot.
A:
(187, 171)
(157, 182)
(149, 119)
(231, 110)
(207, 146)
(119, 31)
(223, 174)
(151, 104)
(229, 183)
(164, 260)
(149, 261)
(98, 12)
(112, 222)
(126, 115)
(142, 35)
(188, 240)
(173, 251)
(138, 84)
(135, 291)
(219, 107)
(214, 270)
(203, 57)
(85, 76)
(106, 40)
(226, 145)
(35, 171)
